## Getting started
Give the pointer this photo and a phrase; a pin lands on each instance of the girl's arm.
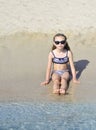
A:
(72, 67)
(48, 70)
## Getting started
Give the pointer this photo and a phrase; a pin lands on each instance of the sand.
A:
(46, 15)
(23, 60)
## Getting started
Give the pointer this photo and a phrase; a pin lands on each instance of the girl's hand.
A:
(76, 81)
(44, 83)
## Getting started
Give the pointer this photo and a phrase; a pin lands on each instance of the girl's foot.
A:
(62, 91)
(56, 91)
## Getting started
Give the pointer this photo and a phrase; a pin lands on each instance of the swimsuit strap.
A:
(53, 53)
(66, 53)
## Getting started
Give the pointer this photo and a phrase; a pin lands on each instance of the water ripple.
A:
(47, 116)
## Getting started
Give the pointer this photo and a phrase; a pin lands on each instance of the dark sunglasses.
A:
(62, 42)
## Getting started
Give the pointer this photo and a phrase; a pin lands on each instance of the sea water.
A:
(47, 116)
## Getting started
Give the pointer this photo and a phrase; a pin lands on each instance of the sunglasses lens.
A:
(62, 42)
(56, 42)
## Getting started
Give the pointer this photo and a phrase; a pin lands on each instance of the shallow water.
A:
(47, 116)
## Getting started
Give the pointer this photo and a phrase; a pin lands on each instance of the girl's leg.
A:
(64, 82)
(56, 83)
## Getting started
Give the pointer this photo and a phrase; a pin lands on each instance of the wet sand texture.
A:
(23, 60)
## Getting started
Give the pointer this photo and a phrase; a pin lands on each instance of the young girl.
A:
(60, 57)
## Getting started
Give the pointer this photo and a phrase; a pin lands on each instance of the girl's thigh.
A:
(66, 75)
(55, 77)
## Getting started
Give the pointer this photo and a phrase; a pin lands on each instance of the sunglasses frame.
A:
(58, 42)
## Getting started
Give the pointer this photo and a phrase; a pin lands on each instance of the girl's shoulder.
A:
(51, 54)
(70, 54)
(53, 51)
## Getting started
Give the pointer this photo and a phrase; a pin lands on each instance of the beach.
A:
(25, 105)
(48, 16)
(27, 28)
(23, 60)
(26, 38)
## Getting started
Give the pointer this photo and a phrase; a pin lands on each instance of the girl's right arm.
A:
(75, 80)
(48, 70)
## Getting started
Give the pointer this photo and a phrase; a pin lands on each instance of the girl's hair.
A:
(62, 35)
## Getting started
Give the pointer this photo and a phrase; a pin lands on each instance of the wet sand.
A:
(23, 60)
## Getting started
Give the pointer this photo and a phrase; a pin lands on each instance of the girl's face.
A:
(60, 42)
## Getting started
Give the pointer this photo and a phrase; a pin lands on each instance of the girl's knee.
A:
(56, 81)
(64, 79)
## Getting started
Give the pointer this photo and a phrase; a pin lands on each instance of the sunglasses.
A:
(62, 42)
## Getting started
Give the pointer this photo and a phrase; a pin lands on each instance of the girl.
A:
(60, 56)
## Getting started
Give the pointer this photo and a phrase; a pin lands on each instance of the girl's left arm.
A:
(72, 67)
